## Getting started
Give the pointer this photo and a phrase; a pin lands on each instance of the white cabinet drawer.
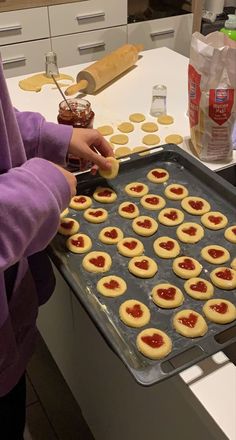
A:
(18, 26)
(22, 58)
(88, 46)
(172, 32)
(87, 15)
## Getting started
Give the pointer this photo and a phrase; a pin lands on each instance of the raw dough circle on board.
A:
(190, 232)
(224, 278)
(175, 191)
(104, 195)
(143, 266)
(110, 235)
(167, 296)
(119, 139)
(95, 215)
(214, 220)
(114, 170)
(215, 254)
(128, 210)
(198, 288)
(122, 151)
(64, 213)
(166, 247)
(130, 247)
(190, 324)
(186, 267)
(105, 130)
(80, 202)
(136, 117)
(68, 226)
(140, 148)
(136, 189)
(126, 127)
(134, 313)
(230, 234)
(158, 175)
(111, 286)
(165, 119)
(219, 310)
(154, 343)
(151, 139)
(144, 225)
(79, 243)
(195, 205)
(153, 202)
(97, 262)
(150, 127)
(174, 139)
(170, 216)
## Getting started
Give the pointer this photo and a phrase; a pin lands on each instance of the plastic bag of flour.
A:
(212, 96)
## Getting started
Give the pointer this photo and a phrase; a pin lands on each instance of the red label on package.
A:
(194, 95)
(220, 105)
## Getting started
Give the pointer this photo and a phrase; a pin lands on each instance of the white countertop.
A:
(213, 381)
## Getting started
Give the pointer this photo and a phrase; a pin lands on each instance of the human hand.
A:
(71, 179)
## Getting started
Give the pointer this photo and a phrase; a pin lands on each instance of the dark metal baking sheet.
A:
(200, 181)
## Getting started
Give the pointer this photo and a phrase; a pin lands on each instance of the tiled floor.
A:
(52, 412)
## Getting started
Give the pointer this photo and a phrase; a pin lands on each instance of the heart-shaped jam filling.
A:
(98, 261)
(111, 234)
(172, 215)
(137, 188)
(168, 294)
(225, 274)
(67, 225)
(196, 204)
(147, 224)
(80, 199)
(112, 284)
(168, 245)
(152, 200)
(215, 219)
(177, 190)
(220, 308)
(143, 264)
(200, 286)
(135, 311)
(130, 244)
(215, 253)
(154, 341)
(187, 264)
(189, 321)
(79, 242)
(234, 231)
(190, 231)
(105, 193)
(158, 174)
(128, 208)
(96, 213)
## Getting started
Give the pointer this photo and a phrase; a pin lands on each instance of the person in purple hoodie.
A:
(34, 190)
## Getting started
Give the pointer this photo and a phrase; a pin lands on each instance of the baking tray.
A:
(200, 181)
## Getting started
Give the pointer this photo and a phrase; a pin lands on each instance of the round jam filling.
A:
(111, 234)
(67, 225)
(152, 200)
(172, 215)
(105, 193)
(234, 230)
(187, 264)
(158, 174)
(215, 253)
(190, 231)
(98, 262)
(135, 311)
(215, 219)
(147, 224)
(168, 245)
(196, 204)
(168, 294)
(112, 284)
(96, 213)
(79, 242)
(137, 188)
(177, 190)
(142, 264)
(225, 274)
(129, 208)
(154, 341)
(200, 286)
(130, 244)
(80, 199)
(190, 321)
(220, 308)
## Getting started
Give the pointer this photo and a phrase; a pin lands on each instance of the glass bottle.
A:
(158, 106)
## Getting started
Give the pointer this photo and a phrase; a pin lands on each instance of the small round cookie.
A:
(122, 151)
(230, 234)
(110, 235)
(151, 139)
(68, 226)
(190, 232)
(198, 288)
(214, 220)
(126, 127)
(119, 139)
(215, 254)
(220, 311)
(158, 175)
(153, 202)
(140, 148)
(104, 195)
(130, 247)
(166, 247)
(186, 267)
(175, 191)
(64, 213)
(114, 170)
(195, 205)
(134, 313)
(95, 215)
(128, 210)
(170, 216)
(190, 324)
(233, 264)
(79, 243)
(136, 189)
(136, 117)
(167, 296)
(80, 202)
(153, 343)
(144, 225)
(224, 278)
(174, 139)
(97, 262)
(165, 119)
(111, 286)
(105, 130)
(143, 267)
(150, 127)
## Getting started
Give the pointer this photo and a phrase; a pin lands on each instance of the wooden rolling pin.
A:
(103, 71)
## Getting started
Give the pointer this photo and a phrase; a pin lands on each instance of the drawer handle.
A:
(159, 33)
(13, 60)
(92, 45)
(92, 15)
(15, 27)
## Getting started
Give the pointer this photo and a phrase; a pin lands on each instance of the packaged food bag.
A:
(212, 95)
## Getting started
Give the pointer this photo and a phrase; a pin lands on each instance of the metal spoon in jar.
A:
(61, 92)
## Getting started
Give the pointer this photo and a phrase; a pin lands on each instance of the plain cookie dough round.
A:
(224, 278)
(114, 170)
(110, 235)
(170, 216)
(214, 220)
(144, 225)
(219, 310)
(119, 139)
(104, 195)
(150, 127)
(165, 119)
(136, 189)
(198, 288)
(95, 215)
(166, 247)
(186, 267)
(153, 202)
(128, 210)
(130, 247)
(140, 148)
(153, 343)
(158, 175)
(80, 202)
(167, 296)
(134, 313)
(136, 117)
(64, 213)
(79, 243)
(143, 267)
(174, 139)
(230, 234)
(105, 130)
(111, 286)
(68, 226)
(122, 151)
(233, 264)
(190, 324)
(190, 232)
(97, 262)
(215, 254)
(175, 191)
(151, 139)
(126, 127)
(195, 205)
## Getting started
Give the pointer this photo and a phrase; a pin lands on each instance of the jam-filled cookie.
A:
(198, 288)
(128, 210)
(110, 235)
(195, 205)
(170, 216)
(233, 264)
(136, 189)
(186, 267)
(95, 215)
(80, 202)
(153, 202)
(215, 254)
(158, 175)
(79, 243)
(134, 313)
(219, 310)
(190, 232)
(130, 247)
(175, 191)
(190, 324)
(214, 220)
(167, 296)
(154, 343)
(113, 171)
(143, 267)
(68, 226)
(104, 195)
(111, 286)
(97, 262)
(230, 234)
(224, 278)
(166, 247)
(144, 225)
